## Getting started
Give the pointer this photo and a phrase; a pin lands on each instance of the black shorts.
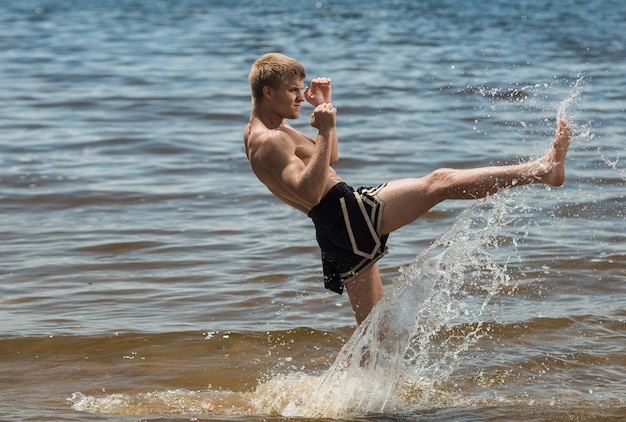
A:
(347, 228)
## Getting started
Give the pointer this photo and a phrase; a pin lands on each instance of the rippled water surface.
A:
(145, 274)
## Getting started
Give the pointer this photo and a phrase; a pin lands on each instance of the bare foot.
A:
(554, 160)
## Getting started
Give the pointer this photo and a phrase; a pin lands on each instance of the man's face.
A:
(286, 98)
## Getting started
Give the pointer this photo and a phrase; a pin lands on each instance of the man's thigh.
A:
(406, 200)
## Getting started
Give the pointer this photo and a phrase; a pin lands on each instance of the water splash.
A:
(404, 353)
(407, 350)
(564, 111)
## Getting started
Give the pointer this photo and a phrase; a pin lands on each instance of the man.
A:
(352, 226)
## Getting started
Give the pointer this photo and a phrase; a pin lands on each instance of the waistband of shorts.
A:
(330, 200)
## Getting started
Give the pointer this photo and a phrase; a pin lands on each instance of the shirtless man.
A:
(352, 226)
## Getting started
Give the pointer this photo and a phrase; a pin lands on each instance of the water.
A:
(147, 275)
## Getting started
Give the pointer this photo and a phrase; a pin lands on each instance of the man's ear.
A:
(267, 92)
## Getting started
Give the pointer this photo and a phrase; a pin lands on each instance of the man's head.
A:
(271, 70)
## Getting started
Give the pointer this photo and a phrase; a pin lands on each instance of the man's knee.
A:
(440, 182)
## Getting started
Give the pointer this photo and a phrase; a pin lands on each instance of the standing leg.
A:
(364, 292)
(406, 200)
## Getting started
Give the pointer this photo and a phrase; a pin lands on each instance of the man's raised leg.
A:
(408, 199)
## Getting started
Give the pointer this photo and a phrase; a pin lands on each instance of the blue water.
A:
(130, 216)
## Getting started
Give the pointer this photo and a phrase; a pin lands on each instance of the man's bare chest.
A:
(303, 147)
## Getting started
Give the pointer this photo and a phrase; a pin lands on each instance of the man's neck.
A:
(270, 119)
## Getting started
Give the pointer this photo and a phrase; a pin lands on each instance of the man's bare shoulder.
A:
(261, 140)
(270, 151)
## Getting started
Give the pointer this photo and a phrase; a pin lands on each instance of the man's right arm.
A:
(276, 155)
(304, 183)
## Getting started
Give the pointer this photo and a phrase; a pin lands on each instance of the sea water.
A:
(145, 274)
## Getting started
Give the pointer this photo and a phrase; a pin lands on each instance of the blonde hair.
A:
(272, 69)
